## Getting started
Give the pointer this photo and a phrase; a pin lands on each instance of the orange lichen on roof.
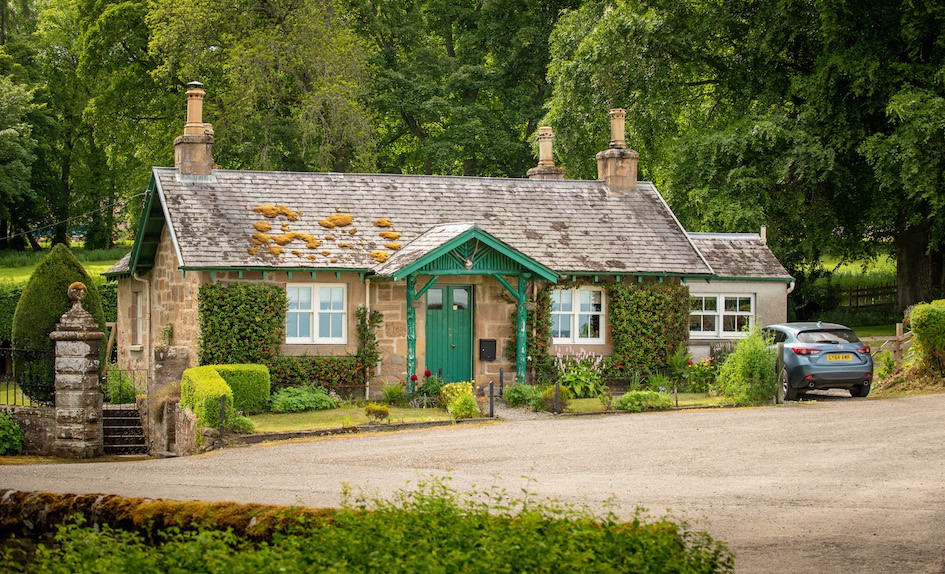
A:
(272, 211)
(292, 236)
(329, 238)
(333, 260)
(326, 253)
(346, 245)
(252, 250)
(352, 231)
(285, 227)
(261, 239)
(262, 226)
(379, 256)
(393, 245)
(313, 243)
(337, 220)
(311, 257)
(383, 222)
(326, 223)
(275, 250)
(389, 235)
(296, 252)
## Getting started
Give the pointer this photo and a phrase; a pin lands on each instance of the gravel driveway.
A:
(839, 485)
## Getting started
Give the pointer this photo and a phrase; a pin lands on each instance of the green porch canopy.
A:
(463, 249)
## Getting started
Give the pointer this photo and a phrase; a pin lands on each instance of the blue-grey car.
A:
(822, 356)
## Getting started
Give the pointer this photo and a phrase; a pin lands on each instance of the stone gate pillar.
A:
(78, 395)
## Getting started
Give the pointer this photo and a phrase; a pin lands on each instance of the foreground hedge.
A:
(427, 530)
(200, 391)
(250, 384)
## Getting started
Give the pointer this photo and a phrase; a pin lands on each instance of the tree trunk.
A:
(920, 272)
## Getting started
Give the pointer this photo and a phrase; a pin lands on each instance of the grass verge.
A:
(340, 418)
(685, 400)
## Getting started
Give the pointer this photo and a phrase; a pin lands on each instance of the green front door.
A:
(449, 331)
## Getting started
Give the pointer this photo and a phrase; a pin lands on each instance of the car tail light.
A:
(865, 349)
(805, 351)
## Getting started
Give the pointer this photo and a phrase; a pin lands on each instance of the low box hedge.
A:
(250, 383)
(200, 391)
(343, 374)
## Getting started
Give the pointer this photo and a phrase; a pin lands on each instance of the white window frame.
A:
(315, 311)
(573, 314)
(720, 314)
(137, 318)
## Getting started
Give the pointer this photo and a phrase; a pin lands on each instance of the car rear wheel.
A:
(787, 393)
(860, 390)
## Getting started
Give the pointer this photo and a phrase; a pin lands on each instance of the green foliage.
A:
(679, 363)
(241, 323)
(450, 391)
(11, 435)
(659, 382)
(520, 395)
(431, 387)
(748, 374)
(16, 137)
(200, 391)
(250, 384)
(302, 398)
(639, 401)
(448, 531)
(43, 301)
(394, 394)
(120, 386)
(242, 425)
(463, 407)
(538, 347)
(700, 375)
(548, 399)
(376, 412)
(648, 322)
(342, 373)
(581, 373)
(367, 324)
(108, 291)
(9, 296)
(886, 364)
(928, 328)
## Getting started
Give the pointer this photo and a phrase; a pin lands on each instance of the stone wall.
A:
(39, 427)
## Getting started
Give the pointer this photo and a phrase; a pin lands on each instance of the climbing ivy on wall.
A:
(648, 323)
(241, 323)
(540, 364)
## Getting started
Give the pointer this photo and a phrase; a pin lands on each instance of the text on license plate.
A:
(840, 357)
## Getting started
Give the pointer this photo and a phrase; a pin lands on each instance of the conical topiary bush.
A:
(45, 298)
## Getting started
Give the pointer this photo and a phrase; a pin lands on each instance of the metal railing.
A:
(28, 377)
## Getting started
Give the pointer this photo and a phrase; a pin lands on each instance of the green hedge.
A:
(10, 292)
(243, 323)
(250, 384)
(108, 292)
(639, 401)
(200, 391)
(343, 373)
(928, 327)
(748, 375)
(648, 321)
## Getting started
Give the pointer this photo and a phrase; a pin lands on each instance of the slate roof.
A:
(424, 243)
(121, 267)
(568, 225)
(740, 255)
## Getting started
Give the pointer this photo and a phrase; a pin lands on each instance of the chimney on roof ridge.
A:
(546, 164)
(617, 166)
(193, 151)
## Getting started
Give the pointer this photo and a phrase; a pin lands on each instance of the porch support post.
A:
(520, 330)
(411, 330)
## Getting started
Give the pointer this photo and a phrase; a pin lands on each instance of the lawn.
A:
(339, 418)
(875, 331)
(19, 266)
(685, 400)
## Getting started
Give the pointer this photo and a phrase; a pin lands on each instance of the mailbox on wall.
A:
(486, 349)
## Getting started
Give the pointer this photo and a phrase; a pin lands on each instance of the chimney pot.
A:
(193, 151)
(618, 128)
(617, 166)
(546, 164)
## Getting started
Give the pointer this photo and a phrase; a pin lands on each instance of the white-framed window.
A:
(721, 316)
(137, 318)
(318, 313)
(577, 316)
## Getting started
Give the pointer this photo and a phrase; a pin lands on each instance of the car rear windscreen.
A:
(828, 336)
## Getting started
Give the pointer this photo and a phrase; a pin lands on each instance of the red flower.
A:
(413, 377)
(689, 362)
(427, 373)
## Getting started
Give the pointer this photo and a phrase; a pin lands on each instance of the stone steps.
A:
(122, 431)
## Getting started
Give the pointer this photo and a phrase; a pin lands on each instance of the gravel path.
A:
(839, 485)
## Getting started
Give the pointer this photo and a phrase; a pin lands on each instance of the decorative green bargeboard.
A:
(472, 253)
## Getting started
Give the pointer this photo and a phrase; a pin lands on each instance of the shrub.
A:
(520, 395)
(649, 322)
(10, 292)
(464, 407)
(201, 389)
(343, 374)
(581, 373)
(43, 301)
(659, 382)
(548, 399)
(11, 435)
(168, 392)
(241, 323)
(639, 401)
(242, 425)
(748, 374)
(376, 412)
(450, 391)
(120, 386)
(394, 393)
(431, 386)
(304, 398)
(928, 327)
(700, 375)
(108, 292)
(250, 384)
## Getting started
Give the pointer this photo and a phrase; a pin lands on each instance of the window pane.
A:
(434, 299)
(711, 303)
(695, 322)
(728, 324)
(561, 326)
(708, 323)
(324, 325)
(324, 298)
(590, 301)
(696, 303)
(336, 325)
(293, 294)
(338, 298)
(741, 322)
(731, 303)
(460, 299)
(560, 301)
(589, 326)
(292, 325)
(744, 304)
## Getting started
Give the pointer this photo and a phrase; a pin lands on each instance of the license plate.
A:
(840, 357)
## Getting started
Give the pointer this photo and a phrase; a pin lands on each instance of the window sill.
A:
(135, 348)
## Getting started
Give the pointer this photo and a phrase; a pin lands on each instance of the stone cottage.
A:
(446, 260)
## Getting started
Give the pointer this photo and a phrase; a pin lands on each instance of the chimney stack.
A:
(193, 151)
(617, 166)
(546, 164)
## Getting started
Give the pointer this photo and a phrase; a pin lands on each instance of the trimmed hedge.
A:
(9, 296)
(928, 326)
(200, 391)
(648, 321)
(250, 384)
(639, 401)
(241, 323)
(342, 374)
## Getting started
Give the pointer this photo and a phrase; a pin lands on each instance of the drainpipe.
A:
(791, 286)
(367, 306)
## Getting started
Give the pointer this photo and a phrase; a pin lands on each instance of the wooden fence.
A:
(865, 297)
(897, 345)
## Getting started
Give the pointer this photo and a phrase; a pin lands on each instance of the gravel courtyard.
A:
(839, 485)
